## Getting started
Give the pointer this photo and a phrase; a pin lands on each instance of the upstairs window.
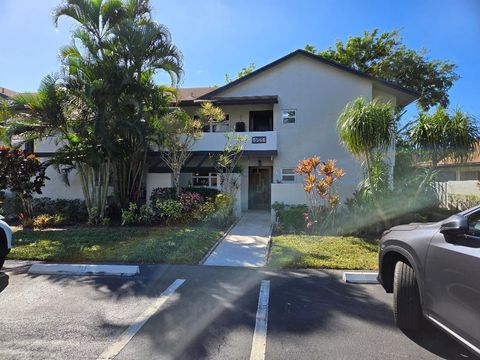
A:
(288, 175)
(289, 116)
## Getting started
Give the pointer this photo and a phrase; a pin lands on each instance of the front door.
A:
(259, 187)
(452, 281)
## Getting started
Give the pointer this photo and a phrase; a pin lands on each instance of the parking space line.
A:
(259, 344)
(113, 350)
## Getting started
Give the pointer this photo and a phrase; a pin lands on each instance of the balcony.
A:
(258, 141)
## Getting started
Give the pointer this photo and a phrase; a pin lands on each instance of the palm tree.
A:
(122, 50)
(443, 135)
(367, 128)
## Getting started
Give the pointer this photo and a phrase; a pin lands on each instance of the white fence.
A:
(448, 190)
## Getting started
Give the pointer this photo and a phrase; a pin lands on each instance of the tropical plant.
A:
(22, 174)
(177, 132)
(320, 178)
(367, 130)
(442, 135)
(123, 50)
(385, 56)
(227, 163)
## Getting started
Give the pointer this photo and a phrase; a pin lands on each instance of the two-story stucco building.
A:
(288, 109)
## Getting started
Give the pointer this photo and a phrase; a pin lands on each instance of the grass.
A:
(170, 245)
(328, 252)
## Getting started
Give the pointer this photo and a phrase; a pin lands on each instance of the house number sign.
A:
(259, 139)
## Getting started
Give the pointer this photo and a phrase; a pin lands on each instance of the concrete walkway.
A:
(246, 244)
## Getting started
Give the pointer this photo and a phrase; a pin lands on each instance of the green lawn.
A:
(329, 252)
(172, 245)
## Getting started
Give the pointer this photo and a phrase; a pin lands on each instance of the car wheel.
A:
(406, 297)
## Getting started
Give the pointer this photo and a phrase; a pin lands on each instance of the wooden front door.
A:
(259, 187)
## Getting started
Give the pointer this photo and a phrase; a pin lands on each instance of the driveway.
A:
(214, 314)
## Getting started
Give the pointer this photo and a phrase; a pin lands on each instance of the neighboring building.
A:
(6, 93)
(288, 109)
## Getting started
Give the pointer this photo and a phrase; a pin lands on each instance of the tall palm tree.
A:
(367, 128)
(122, 49)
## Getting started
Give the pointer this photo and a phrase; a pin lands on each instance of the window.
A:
(204, 179)
(469, 175)
(474, 224)
(288, 116)
(445, 175)
(288, 175)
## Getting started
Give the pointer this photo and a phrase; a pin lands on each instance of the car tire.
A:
(406, 297)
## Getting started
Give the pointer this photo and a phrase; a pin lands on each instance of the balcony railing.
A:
(256, 141)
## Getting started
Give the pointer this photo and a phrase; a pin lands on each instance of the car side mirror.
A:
(454, 226)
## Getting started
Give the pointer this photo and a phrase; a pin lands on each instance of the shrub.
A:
(135, 215)
(168, 193)
(208, 194)
(204, 212)
(223, 209)
(290, 218)
(72, 210)
(162, 194)
(190, 200)
(168, 210)
(11, 206)
(46, 220)
(463, 201)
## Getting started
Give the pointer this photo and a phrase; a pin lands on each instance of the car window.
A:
(474, 224)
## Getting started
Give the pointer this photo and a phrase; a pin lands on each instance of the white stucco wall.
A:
(318, 93)
(466, 187)
(154, 180)
(56, 188)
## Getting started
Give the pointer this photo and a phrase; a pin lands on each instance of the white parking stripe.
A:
(130, 332)
(259, 344)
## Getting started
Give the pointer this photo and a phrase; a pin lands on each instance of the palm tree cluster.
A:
(103, 106)
(368, 129)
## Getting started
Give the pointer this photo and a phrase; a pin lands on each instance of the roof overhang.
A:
(406, 95)
(240, 100)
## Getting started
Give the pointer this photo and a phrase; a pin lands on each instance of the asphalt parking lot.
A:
(213, 314)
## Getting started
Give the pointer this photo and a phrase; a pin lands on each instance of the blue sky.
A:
(218, 37)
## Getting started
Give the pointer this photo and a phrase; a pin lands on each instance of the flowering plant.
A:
(320, 178)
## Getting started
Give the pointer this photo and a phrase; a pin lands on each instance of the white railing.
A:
(256, 141)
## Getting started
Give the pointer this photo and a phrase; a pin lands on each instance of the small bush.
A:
(134, 215)
(162, 194)
(290, 218)
(168, 210)
(73, 211)
(190, 200)
(463, 201)
(46, 220)
(204, 212)
(208, 194)
(11, 206)
(223, 209)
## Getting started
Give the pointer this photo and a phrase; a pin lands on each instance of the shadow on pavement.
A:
(217, 304)
(436, 341)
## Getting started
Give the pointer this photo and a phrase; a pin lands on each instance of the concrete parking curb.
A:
(84, 269)
(360, 277)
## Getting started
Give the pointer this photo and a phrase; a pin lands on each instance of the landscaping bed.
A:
(169, 245)
(329, 252)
